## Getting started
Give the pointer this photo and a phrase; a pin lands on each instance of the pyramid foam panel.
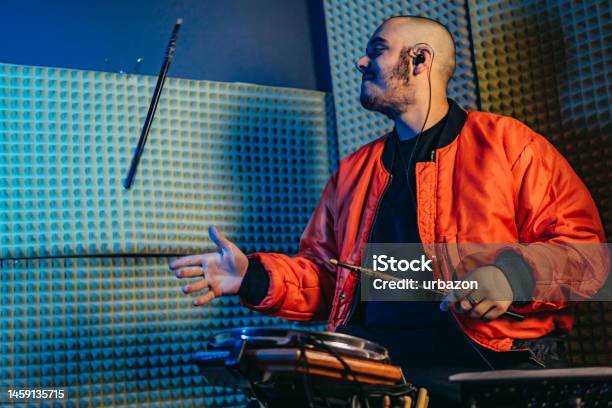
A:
(591, 341)
(349, 25)
(548, 64)
(111, 332)
(250, 159)
(117, 331)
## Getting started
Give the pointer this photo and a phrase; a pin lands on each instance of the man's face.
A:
(385, 84)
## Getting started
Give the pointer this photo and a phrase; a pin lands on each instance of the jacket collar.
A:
(454, 123)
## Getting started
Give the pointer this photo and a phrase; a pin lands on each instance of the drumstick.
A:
(127, 183)
(375, 274)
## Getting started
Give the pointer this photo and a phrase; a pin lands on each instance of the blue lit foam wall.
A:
(250, 159)
(349, 26)
(118, 331)
(111, 332)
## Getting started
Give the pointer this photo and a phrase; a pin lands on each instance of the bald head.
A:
(407, 64)
(412, 30)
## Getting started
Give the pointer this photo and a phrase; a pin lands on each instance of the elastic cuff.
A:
(255, 284)
(519, 275)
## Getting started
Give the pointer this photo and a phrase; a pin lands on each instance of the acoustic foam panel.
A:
(118, 331)
(111, 332)
(350, 23)
(251, 159)
(591, 341)
(548, 64)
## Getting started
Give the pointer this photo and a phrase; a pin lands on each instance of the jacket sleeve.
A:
(302, 287)
(559, 224)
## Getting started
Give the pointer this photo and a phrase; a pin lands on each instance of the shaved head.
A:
(414, 30)
(407, 64)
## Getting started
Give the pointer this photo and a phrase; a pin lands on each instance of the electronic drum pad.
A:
(295, 368)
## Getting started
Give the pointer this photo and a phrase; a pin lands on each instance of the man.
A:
(443, 175)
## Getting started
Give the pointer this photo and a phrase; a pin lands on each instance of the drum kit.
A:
(298, 368)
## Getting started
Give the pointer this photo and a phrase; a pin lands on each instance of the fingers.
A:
(454, 298)
(194, 266)
(195, 286)
(202, 300)
(191, 260)
(187, 268)
(218, 238)
(482, 308)
(492, 314)
(464, 306)
(495, 309)
(461, 294)
(190, 272)
(485, 310)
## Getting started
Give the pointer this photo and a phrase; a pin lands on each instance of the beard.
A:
(386, 103)
(398, 92)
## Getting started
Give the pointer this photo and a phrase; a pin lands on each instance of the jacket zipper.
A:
(354, 304)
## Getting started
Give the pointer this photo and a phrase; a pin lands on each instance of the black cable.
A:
(347, 367)
(323, 397)
(367, 390)
(406, 167)
(306, 374)
(418, 136)
(94, 256)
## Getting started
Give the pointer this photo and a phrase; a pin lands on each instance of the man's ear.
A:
(421, 61)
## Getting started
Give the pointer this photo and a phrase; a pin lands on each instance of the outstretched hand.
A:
(221, 271)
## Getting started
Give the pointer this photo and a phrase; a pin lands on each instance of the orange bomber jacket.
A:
(497, 182)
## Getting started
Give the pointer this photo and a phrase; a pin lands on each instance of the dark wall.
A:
(268, 42)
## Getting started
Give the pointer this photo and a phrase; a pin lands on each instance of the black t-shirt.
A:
(396, 218)
(396, 222)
